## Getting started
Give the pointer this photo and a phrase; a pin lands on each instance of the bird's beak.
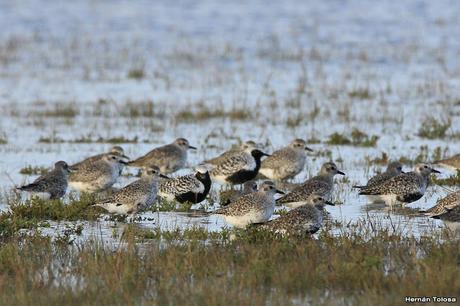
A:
(329, 203)
(265, 154)
(402, 172)
(308, 149)
(122, 162)
(125, 157)
(164, 176)
(192, 147)
(340, 172)
(280, 191)
(435, 171)
(71, 170)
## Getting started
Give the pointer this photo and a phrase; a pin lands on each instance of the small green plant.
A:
(33, 170)
(453, 180)
(136, 73)
(360, 93)
(358, 138)
(432, 128)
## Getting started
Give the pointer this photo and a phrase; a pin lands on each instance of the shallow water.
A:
(293, 66)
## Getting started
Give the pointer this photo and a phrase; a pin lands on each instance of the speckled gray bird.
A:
(192, 188)
(251, 145)
(393, 169)
(115, 150)
(321, 184)
(451, 163)
(444, 205)
(52, 185)
(230, 196)
(307, 218)
(256, 207)
(168, 158)
(452, 215)
(139, 194)
(404, 188)
(287, 162)
(98, 175)
(238, 168)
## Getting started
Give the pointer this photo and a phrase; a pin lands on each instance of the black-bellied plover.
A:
(256, 207)
(393, 169)
(450, 216)
(224, 156)
(307, 218)
(168, 158)
(115, 150)
(139, 194)
(52, 185)
(287, 162)
(97, 176)
(321, 184)
(404, 188)
(238, 168)
(444, 205)
(230, 196)
(192, 188)
(451, 163)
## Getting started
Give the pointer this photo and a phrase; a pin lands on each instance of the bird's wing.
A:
(235, 163)
(182, 184)
(302, 192)
(157, 154)
(273, 161)
(407, 183)
(88, 160)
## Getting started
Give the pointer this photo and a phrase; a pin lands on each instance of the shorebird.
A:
(97, 176)
(307, 218)
(287, 162)
(451, 163)
(234, 151)
(139, 194)
(451, 216)
(238, 168)
(321, 184)
(393, 169)
(191, 188)
(52, 185)
(404, 188)
(444, 205)
(256, 207)
(230, 196)
(168, 158)
(115, 150)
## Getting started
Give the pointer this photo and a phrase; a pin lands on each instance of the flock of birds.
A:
(251, 204)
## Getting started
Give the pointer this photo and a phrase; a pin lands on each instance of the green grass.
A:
(36, 212)
(453, 180)
(203, 114)
(357, 138)
(254, 268)
(433, 128)
(33, 170)
(360, 93)
(136, 73)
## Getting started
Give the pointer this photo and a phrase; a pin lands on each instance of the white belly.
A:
(221, 179)
(295, 204)
(83, 187)
(249, 218)
(269, 173)
(167, 196)
(42, 195)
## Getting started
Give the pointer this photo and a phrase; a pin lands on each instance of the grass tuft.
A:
(358, 138)
(432, 128)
